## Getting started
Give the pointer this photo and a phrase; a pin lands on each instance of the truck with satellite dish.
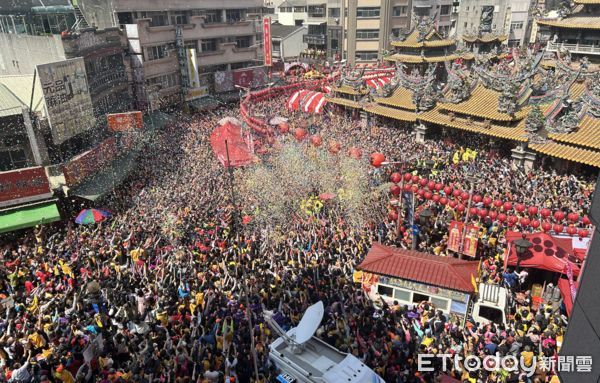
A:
(300, 357)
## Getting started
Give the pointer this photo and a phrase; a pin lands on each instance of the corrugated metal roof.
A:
(445, 272)
(10, 104)
(20, 86)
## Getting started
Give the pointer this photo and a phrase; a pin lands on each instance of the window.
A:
(445, 10)
(208, 45)
(157, 52)
(299, 23)
(491, 313)
(178, 18)
(212, 16)
(366, 56)
(191, 44)
(396, 32)
(334, 12)
(367, 12)
(166, 81)
(385, 290)
(233, 15)
(439, 303)
(466, 25)
(367, 34)
(285, 9)
(299, 9)
(516, 25)
(243, 41)
(14, 158)
(418, 298)
(402, 295)
(334, 44)
(400, 10)
(157, 19)
(467, 8)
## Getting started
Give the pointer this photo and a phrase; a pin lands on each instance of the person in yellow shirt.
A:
(62, 374)
(527, 356)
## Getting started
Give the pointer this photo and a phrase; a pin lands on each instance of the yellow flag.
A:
(474, 283)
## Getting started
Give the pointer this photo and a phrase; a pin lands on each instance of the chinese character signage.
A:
(247, 78)
(23, 185)
(423, 288)
(90, 162)
(267, 48)
(67, 97)
(120, 122)
(470, 242)
(195, 90)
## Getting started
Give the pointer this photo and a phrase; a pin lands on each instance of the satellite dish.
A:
(310, 322)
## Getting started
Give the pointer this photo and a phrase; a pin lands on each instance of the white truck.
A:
(491, 304)
(301, 357)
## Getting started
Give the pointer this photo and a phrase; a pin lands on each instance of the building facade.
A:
(288, 41)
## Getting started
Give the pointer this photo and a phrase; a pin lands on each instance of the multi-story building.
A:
(509, 17)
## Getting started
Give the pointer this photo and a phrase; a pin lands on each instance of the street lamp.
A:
(522, 246)
(425, 216)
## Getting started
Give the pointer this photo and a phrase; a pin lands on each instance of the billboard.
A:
(195, 90)
(120, 122)
(23, 185)
(67, 98)
(470, 242)
(90, 162)
(267, 46)
(247, 78)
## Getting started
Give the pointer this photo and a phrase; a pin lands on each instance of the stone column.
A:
(421, 131)
(364, 117)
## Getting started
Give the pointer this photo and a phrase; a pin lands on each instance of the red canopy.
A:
(547, 253)
(308, 101)
(240, 153)
(565, 291)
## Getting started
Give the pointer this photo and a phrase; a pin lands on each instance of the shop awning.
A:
(106, 180)
(28, 216)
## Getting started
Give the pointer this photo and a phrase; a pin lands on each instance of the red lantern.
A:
(586, 220)
(477, 198)
(460, 208)
(520, 207)
(415, 179)
(420, 192)
(493, 214)
(473, 211)
(316, 140)
(512, 220)
(482, 213)
(497, 203)
(407, 187)
(535, 223)
(395, 190)
(284, 128)
(395, 177)
(525, 221)
(415, 188)
(376, 158)
(452, 204)
(583, 233)
(431, 185)
(487, 201)
(501, 217)
(447, 190)
(335, 147)
(355, 153)
(428, 195)
(444, 201)
(571, 230)
(546, 226)
(545, 212)
(507, 206)
(438, 186)
(407, 177)
(300, 134)
(456, 192)
(573, 217)
(532, 210)
(558, 228)
(464, 196)
(423, 182)
(393, 216)
(559, 215)
(436, 197)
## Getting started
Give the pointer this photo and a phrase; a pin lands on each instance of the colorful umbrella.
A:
(91, 216)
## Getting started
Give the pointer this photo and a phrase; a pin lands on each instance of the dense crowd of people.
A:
(169, 290)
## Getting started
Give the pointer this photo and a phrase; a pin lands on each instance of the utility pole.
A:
(234, 226)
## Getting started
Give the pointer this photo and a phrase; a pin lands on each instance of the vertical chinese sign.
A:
(67, 98)
(469, 242)
(267, 47)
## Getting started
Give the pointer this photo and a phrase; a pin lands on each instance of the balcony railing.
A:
(314, 39)
(574, 48)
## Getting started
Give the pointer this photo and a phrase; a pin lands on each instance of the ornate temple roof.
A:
(396, 114)
(347, 89)
(570, 153)
(417, 59)
(401, 98)
(586, 1)
(484, 38)
(415, 39)
(578, 18)
(343, 102)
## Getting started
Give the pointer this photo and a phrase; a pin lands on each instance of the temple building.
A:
(576, 30)
(480, 43)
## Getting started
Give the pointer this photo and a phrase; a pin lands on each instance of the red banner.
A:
(88, 163)
(243, 78)
(267, 47)
(23, 185)
(470, 242)
(120, 122)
